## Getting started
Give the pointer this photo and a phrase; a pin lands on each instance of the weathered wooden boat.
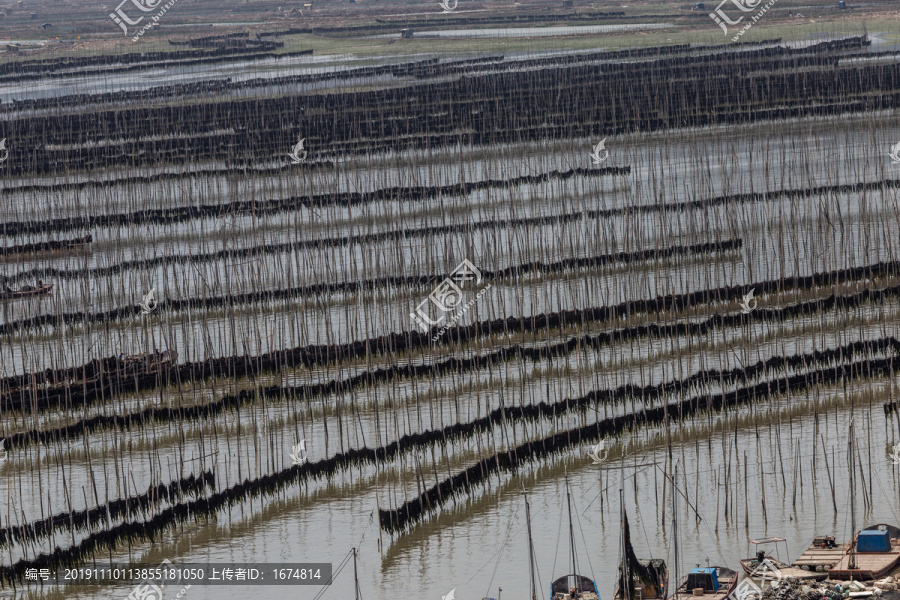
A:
(149, 362)
(574, 587)
(757, 567)
(26, 292)
(638, 579)
(709, 583)
(52, 246)
(822, 554)
(873, 553)
(651, 580)
(767, 567)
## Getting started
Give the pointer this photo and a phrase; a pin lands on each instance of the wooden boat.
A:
(822, 554)
(644, 590)
(752, 566)
(767, 567)
(149, 362)
(709, 583)
(873, 553)
(26, 292)
(648, 578)
(574, 587)
(52, 246)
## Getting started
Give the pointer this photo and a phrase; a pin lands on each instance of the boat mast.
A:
(626, 582)
(355, 575)
(571, 529)
(675, 524)
(852, 488)
(530, 546)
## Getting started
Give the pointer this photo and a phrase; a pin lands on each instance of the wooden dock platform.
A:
(820, 557)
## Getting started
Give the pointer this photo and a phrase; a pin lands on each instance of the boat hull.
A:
(749, 565)
(45, 289)
(728, 580)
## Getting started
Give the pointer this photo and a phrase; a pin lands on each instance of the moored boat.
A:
(875, 550)
(772, 568)
(638, 579)
(27, 291)
(52, 246)
(873, 553)
(650, 582)
(149, 362)
(767, 567)
(709, 583)
(822, 554)
(574, 587)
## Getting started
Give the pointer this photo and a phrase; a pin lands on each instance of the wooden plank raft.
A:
(820, 557)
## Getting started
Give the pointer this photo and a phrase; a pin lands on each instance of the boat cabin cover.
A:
(582, 584)
(703, 577)
(873, 541)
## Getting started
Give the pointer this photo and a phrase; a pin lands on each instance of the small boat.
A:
(27, 291)
(710, 583)
(873, 553)
(572, 587)
(149, 362)
(767, 567)
(822, 554)
(648, 577)
(648, 587)
(52, 246)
